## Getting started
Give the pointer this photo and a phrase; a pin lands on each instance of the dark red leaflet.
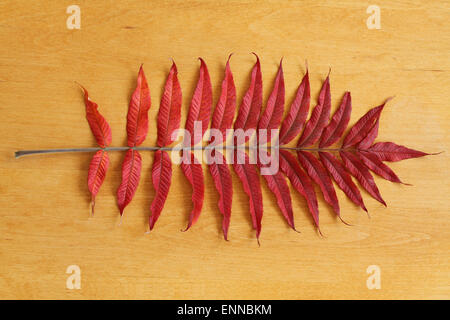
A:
(169, 113)
(333, 132)
(271, 118)
(362, 174)
(362, 127)
(278, 185)
(200, 108)
(97, 173)
(389, 151)
(249, 177)
(370, 138)
(372, 162)
(222, 180)
(137, 118)
(342, 178)
(161, 178)
(226, 105)
(251, 105)
(192, 170)
(131, 172)
(320, 176)
(295, 120)
(300, 182)
(99, 127)
(319, 117)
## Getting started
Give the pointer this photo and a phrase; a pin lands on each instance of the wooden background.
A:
(44, 200)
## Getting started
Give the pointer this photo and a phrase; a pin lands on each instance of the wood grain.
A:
(44, 217)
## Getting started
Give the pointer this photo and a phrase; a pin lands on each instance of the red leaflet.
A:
(300, 182)
(131, 171)
(194, 173)
(373, 163)
(222, 179)
(161, 177)
(226, 106)
(342, 178)
(169, 114)
(338, 123)
(278, 185)
(370, 138)
(389, 151)
(97, 172)
(295, 120)
(362, 127)
(319, 117)
(99, 127)
(320, 176)
(137, 118)
(200, 108)
(362, 174)
(249, 177)
(252, 102)
(273, 113)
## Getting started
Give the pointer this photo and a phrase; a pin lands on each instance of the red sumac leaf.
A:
(226, 105)
(131, 172)
(300, 182)
(99, 127)
(192, 170)
(362, 127)
(137, 118)
(338, 123)
(222, 180)
(271, 118)
(320, 176)
(250, 108)
(97, 172)
(161, 178)
(249, 177)
(295, 119)
(362, 174)
(342, 178)
(371, 136)
(169, 114)
(389, 151)
(319, 117)
(373, 163)
(200, 108)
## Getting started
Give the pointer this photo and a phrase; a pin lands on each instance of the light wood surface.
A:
(44, 200)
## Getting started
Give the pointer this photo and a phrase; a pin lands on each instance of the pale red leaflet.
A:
(97, 172)
(226, 105)
(342, 178)
(320, 176)
(362, 174)
(333, 132)
(251, 105)
(200, 108)
(363, 126)
(161, 178)
(137, 118)
(295, 119)
(248, 174)
(300, 181)
(99, 127)
(169, 114)
(319, 117)
(280, 189)
(194, 174)
(389, 151)
(373, 163)
(131, 171)
(222, 180)
(271, 118)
